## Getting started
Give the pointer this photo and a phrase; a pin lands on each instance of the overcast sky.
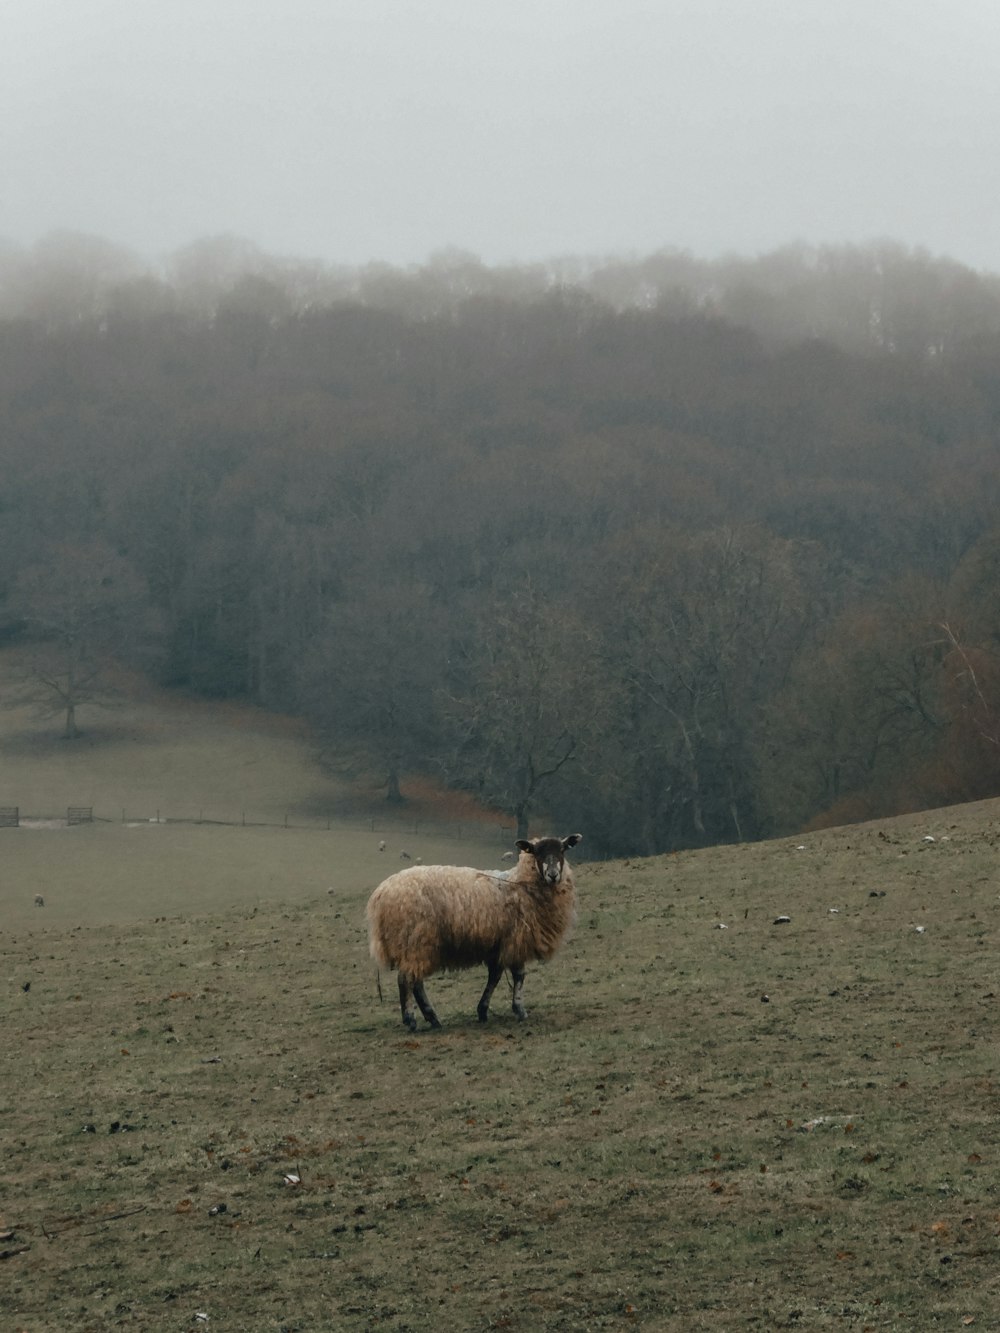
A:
(352, 130)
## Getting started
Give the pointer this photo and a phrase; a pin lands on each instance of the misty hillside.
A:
(681, 552)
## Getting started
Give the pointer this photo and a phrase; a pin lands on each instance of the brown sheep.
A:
(427, 919)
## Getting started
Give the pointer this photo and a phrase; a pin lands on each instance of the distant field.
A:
(154, 753)
(113, 873)
(157, 758)
(211, 1121)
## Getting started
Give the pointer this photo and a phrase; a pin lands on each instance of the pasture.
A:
(209, 1119)
(191, 803)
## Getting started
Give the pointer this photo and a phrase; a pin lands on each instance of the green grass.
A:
(198, 808)
(658, 1146)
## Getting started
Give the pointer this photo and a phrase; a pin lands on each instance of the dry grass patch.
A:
(215, 1115)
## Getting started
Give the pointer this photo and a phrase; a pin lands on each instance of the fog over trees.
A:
(673, 550)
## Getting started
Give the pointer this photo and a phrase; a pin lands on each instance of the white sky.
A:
(351, 130)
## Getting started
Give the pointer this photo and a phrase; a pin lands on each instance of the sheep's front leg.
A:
(406, 989)
(426, 1008)
(496, 972)
(517, 972)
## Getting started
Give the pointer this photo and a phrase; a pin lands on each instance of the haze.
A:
(517, 129)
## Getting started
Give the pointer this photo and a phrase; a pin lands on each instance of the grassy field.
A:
(191, 803)
(209, 1119)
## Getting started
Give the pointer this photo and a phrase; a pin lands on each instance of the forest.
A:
(674, 551)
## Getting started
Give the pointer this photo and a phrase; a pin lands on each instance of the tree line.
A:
(678, 552)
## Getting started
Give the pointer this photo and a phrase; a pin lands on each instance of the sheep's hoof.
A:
(410, 1022)
(483, 1014)
(434, 1021)
(520, 1012)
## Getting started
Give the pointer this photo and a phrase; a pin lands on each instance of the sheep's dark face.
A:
(550, 855)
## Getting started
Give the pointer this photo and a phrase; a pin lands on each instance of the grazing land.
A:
(200, 808)
(213, 1113)
(210, 1120)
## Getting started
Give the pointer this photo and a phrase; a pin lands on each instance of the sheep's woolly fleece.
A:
(426, 919)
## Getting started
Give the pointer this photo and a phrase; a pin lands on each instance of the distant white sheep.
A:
(381, 845)
(426, 919)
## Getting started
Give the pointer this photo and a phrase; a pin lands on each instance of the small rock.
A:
(782, 920)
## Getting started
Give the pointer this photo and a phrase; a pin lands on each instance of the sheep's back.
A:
(426, 918)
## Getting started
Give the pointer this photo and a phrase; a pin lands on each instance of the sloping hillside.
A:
(782, 1123)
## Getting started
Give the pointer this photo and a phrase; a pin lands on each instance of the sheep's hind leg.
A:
(517, 972)
(426, 1008)
(496, 972)
(406, 990)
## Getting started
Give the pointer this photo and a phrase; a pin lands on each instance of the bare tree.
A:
(700, 631)
(83, 606)
(522, 704)
(368, 680)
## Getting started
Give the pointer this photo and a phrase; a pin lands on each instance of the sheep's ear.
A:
(523, 845)
(572, 840)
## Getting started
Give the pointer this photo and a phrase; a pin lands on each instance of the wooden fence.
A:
(12, 816)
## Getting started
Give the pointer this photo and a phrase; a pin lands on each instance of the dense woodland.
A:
(672, 551)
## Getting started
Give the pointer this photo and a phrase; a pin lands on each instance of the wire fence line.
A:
(385, 826)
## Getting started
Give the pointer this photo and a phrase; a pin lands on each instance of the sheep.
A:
(39, 900)
(404, 855)
(425, 919)
(381, 845)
